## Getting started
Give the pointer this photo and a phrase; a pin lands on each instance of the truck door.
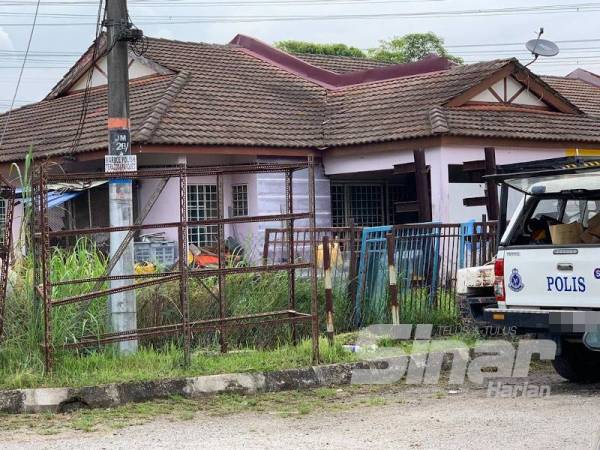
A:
(539, 273)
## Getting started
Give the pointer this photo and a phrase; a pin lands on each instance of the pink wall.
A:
(447, 198)
(450, 196)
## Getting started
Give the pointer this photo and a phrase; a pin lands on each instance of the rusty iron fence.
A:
(7, 204)
(341, 245)
(182, 272)
(427, 257)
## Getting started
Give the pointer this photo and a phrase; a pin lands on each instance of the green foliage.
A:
(20, 349)
(400, 49)
(313, 48)
(411, 47)
(24, 179)
(150, 363)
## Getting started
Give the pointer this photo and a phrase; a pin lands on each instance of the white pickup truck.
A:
(545, 278)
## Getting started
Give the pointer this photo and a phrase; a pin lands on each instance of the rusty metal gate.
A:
(185, 327)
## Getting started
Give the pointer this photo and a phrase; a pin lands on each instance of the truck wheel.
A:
(464, 309)
(577, 363)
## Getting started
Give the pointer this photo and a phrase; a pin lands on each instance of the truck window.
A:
(540, 214)
(534, 227)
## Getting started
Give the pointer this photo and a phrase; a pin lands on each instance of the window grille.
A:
(202, 205)
(362, 202)
(239, 200)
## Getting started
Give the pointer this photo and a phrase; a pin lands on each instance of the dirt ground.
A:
(396, 416)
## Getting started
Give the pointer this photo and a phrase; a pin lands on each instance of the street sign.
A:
(119, 141)
(120, 163)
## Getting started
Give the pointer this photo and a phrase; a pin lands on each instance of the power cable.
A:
(181, 20)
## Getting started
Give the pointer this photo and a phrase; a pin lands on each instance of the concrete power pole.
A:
(122, 306)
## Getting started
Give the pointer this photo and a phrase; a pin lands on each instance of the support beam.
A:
(491, 190)
(422, 182)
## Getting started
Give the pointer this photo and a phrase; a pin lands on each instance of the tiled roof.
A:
(582, 94)
(49, 127)
(226, 95)
(399, 108)
(234, 98)
(497, 123)
(341, 64)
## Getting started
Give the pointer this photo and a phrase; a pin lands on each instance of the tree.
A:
(411, 47)
(319, 49)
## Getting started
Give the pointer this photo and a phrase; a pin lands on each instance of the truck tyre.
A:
(466, 317)
(577, 363)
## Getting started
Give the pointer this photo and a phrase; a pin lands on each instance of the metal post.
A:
(9, 198)
(392, 279)
(222, 265)
(328, 289)
(313, 253)
(289, 192)
(45, 270)
(183, 266)
(122, 306)
(352, 268)
(484, 240)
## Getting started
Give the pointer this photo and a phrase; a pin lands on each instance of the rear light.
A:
(499, 267)
(499, 291)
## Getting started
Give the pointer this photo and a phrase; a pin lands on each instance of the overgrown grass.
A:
(104, 367)
(253, 348)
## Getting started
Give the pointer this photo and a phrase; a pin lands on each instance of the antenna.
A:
(541, 47)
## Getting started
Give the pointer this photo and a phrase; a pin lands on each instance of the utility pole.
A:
(121, 306)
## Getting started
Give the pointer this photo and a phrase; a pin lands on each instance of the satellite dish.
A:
(541, 47)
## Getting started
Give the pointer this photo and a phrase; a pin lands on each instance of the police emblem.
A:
(515, 281)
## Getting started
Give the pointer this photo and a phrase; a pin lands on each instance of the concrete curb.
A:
(37, 400)
(21, 401)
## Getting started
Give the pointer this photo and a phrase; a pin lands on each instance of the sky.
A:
(476, 30)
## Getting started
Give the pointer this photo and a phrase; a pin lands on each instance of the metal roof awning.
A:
(63, 192)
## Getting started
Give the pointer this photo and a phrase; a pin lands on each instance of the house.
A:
(207, 104)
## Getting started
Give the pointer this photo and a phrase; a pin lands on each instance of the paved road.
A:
(412, 418)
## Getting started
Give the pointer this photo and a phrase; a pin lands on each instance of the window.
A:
(362, 202)
(240, 200)
(338, 205)
(202, 205)
(366, 203)
(540, 214)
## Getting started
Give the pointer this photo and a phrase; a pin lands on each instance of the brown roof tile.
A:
(225, 95)
(516, 124)
(399, 108)
(583, 95)
(49, 127)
